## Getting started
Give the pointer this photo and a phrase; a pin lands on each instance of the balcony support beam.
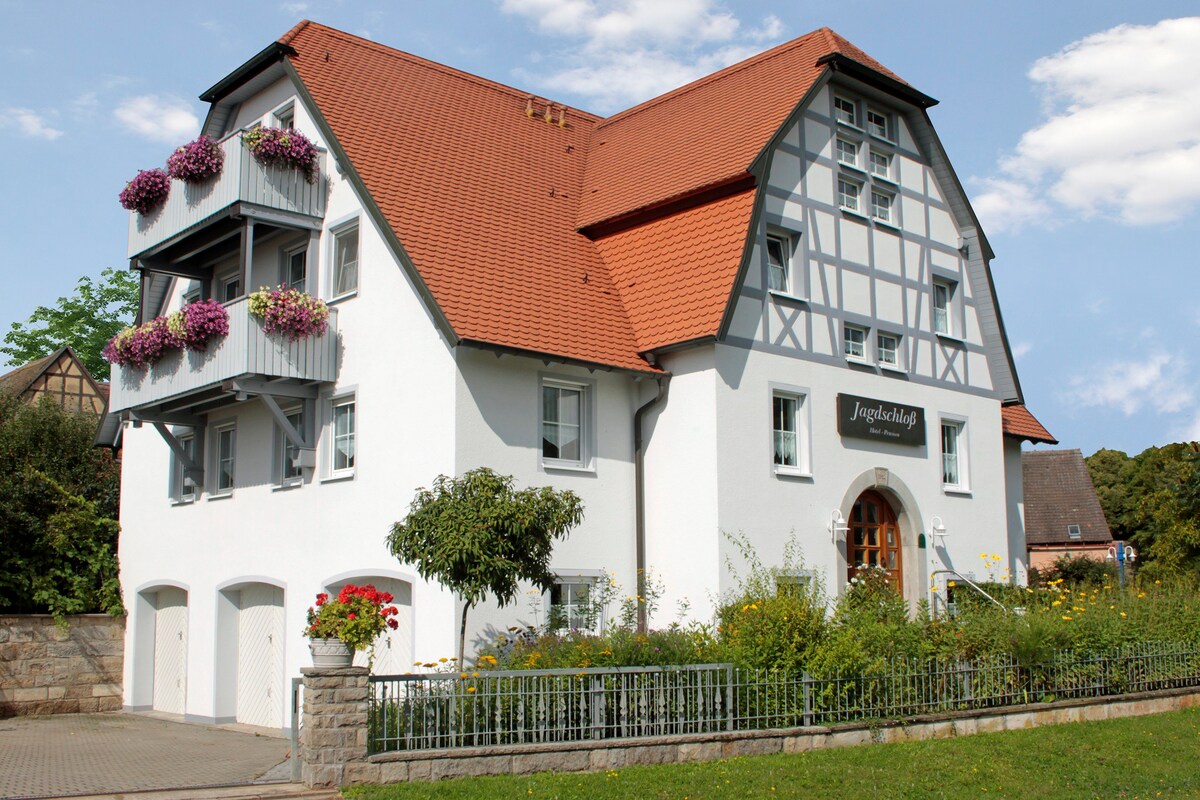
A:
(310, 262)
(168, 418)
(247, 256)
(165, 267)
(192, 470)
(278, 389)
(294, 437)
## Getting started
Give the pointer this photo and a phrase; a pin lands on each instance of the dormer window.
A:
(1073, 532)
(845, 111)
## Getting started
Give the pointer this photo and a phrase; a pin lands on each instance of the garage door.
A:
(170, 650)
(260, 656)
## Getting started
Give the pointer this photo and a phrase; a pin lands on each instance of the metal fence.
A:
(437, 710)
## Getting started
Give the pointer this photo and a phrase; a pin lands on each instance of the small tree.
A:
(479, 536)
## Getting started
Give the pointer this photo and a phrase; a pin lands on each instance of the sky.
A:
(1073, 126)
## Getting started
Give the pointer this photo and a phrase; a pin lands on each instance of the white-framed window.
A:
(785, 429)
(285, 116)
(1074, 532)
(878, 124)
(345, 261)
(343, 444)
(571, 605)
(881, 164)
(847, 152)
(854, 342)
(183, 490)
(954, 456)
(943, 293)
(295, 269)
(779, 252)
(848, 192)
(845, 110)
(565, 434)
(224, 458)
(881, 206)
(288, 472)
(887, 349)
(796, 585)
(230, 288)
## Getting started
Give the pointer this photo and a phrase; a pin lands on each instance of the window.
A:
(183, 490)
(848, 194)
(877, 124)
(290, 472)
(953, 462)
(231, 288)
(786, 430)
(571, 605)
(226, 440)
(887, 347)
(794, 585)
(285, 117)
(881, 206)
(845, 111)
(942, 292)
(344, 432)
(295, 270)
(847, 152)
(778, 257)
(345, 261)
(881, 165)
(562, 424)
(854, 341)
(1073, 532)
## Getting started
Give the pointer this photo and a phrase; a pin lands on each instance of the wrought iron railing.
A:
(474, 709)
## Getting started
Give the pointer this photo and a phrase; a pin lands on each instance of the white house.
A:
(758, 304)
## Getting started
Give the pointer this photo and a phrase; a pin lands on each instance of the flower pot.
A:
(330, 653)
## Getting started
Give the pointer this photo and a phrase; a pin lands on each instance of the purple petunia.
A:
(284, 147)
(146, 191)
(191, 327)
(290, 311)
(197, 160)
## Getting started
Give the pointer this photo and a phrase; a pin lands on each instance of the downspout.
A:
(639, 479)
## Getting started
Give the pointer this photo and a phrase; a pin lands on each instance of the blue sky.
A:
(1074, 126)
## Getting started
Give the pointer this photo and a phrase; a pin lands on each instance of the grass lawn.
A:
(1139, 757)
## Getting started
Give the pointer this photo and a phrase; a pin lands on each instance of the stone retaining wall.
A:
(45, 669)
(335, 748)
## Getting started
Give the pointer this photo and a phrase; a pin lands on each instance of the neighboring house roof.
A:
(18, 380)
(60, 376)
(1020, 424)
(1059, 493)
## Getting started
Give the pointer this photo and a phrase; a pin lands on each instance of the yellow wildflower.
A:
(1066, 617)
(470, 688)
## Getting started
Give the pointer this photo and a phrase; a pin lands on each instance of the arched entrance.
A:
(874, 538)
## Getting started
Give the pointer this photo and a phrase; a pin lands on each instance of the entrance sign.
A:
(865, 418)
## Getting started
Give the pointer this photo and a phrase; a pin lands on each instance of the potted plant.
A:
(283, 147)
(289, 311)
(338, 628)
(148, 189)
(196, 161)
(192, 327)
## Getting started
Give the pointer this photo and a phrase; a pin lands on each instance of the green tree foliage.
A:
(86, 321)
(58, 509)
(480, 537)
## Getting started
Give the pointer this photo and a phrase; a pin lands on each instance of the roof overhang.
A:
(853, 69)
(263, 69)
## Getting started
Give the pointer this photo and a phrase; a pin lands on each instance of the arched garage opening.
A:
(249, 653)
(160, 631)
(394, 648)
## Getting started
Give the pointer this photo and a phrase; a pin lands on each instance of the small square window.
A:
(847, 152)
(845, 110)
(571, 606)
(881, 206)
(1074, 532)
(295, 270)
(345, 432)
(231, 288)
(877, 124)
(881, 164)
(848, 192)
(225, 456)
(778, 264)
(285, 117)
(563, 432)
(855, 342)
(887, 349)
(345, 261)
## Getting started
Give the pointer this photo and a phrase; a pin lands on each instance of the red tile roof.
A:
(1019, 423)
(488, 202)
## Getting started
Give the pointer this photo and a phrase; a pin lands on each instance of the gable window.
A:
(571, 606)
(183, 490)
(954, 466)
(881, 206)
(563, 414)
(345, 431)
(848, 192)
(877, 124)
(1074, 532)
(942, 293)
(285, 117)
(226, 437)
(854, 342)
(778, 263)
(881, 165)
(345, 261)
(290, 473)
(847, 152)
(295, 270)
(845, 111)
(887, 349)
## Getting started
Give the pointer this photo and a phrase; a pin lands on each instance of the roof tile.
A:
(1058, 493)
(1019, 423)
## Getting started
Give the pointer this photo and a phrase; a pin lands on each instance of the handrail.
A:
(972, 584)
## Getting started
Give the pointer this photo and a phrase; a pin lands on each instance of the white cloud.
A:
(294, 9)
(1156, 383)
(1121, 134)
(163, 119)
(29, 123)
(1021, 349)
(630, 50)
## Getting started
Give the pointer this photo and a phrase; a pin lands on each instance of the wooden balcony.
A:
(243, 180)
(184, 377)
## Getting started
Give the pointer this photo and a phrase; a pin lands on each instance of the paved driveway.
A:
(70, 754)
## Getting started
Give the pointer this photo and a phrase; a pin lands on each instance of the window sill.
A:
(781, 295)
(883, 223)
(862, 362)
(883, 139)
(338, 477)
(950, 337)
(841, 123)
(958, 491)
(884, 178)
(342, 298)
(892, 368)
(176, 502)
(222, 496)
(560, 466)
(287, 487)
(850, 212)
(790, 472)
(859, 172)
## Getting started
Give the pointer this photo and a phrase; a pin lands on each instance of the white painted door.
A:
(260, 656)
(170, 650)
(393, 648)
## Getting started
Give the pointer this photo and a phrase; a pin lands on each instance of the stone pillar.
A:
(334, 731)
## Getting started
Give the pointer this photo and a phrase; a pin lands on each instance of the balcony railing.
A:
(243, 179)
(245, 350)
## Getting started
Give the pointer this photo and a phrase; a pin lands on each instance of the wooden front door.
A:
(874, 537)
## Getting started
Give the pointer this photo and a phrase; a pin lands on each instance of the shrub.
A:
(283, 147)
(196, 161)
(148, 189)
